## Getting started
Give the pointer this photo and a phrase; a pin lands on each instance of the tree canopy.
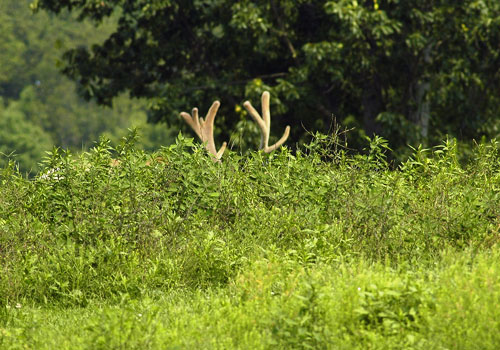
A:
(409, 71)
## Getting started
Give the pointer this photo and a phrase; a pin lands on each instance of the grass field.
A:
(313, 250)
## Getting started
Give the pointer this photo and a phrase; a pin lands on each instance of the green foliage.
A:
(20, 139)
(274, 304)
(410, 72)
(317, 249)
(43, 102)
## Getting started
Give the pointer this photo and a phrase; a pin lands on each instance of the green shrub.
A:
(315, 249)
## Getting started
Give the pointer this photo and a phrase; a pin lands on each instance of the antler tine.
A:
(204, 128)
(193, 121)
(207, 131)
(264, 124)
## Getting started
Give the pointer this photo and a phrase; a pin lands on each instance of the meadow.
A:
(316, 249)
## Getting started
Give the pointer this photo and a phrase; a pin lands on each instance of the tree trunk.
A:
(421, 115)
(372, 105)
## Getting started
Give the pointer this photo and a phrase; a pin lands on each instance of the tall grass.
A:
(315, 249)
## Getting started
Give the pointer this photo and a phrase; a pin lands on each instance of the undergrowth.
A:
(315, 249)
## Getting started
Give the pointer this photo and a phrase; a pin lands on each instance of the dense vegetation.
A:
(39, 107)
(321, 245)
(411, 72)
(313, 250)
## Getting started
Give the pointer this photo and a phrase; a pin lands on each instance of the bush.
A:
(84, 228)
(317, 249)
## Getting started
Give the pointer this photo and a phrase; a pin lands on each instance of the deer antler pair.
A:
(205, 128)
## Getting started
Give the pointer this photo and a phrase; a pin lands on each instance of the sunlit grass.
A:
(312, 250)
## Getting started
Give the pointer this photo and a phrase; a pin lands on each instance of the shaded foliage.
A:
(36, 96)
(412, 72)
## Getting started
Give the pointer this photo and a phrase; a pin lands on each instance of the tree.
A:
(21, 140)
(410, 71)
(30, 48)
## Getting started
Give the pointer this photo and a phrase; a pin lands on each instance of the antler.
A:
(265, 124)
(204, 128)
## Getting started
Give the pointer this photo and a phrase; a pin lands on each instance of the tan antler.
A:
(264, 123)
(204, 128)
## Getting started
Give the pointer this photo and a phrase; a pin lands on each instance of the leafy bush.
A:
(305, 250)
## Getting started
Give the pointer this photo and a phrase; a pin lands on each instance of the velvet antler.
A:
(204, 128)
(264, 124)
